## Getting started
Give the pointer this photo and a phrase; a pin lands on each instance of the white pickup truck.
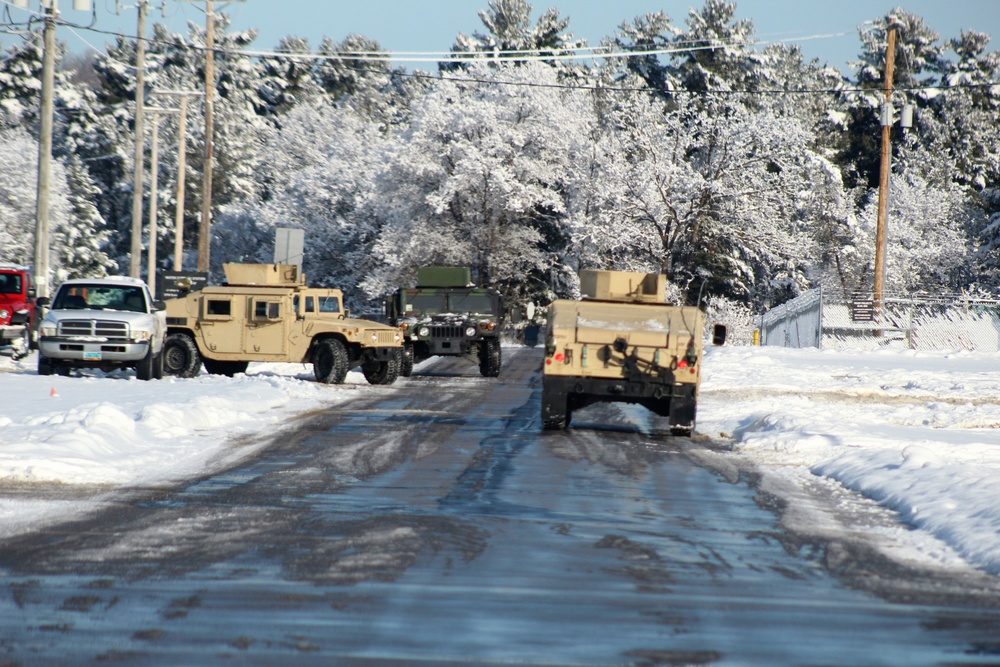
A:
(105, 323)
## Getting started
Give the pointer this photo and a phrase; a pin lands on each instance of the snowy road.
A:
(433, 522)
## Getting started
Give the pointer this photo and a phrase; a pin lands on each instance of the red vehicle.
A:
(18, 322)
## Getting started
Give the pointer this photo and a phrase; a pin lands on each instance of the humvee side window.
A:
(266, 310)
(220, 309)
(310, 304)
(329, 304)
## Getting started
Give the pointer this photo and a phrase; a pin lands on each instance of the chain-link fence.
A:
(916, 323)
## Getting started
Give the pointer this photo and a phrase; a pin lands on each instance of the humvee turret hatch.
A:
(265, 312)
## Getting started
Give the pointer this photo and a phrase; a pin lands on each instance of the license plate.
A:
(91, 356)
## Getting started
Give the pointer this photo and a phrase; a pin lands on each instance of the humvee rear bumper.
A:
(566, 394)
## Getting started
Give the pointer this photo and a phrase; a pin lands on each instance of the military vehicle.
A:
(623, 343)
(265, 312)
(446, 315)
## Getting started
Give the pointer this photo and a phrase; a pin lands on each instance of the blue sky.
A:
(825, 29)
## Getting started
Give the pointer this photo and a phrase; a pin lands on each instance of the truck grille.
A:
(386, 338)
(97, 328)
(447, 332)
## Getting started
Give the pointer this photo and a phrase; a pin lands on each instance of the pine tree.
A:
(81, 238)
(509, 31)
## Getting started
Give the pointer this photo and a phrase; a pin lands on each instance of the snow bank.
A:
(915, 432)
(108, 431)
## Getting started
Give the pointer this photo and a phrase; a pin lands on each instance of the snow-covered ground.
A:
(918, 433)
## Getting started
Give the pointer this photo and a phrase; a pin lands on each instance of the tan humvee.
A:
(623, 343)
(265, 312)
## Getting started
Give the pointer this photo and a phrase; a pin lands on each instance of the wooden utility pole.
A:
(135, 254)
(883, 184)
(42, 204)
(205, 229)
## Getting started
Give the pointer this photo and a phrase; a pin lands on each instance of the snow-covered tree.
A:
(81, 238)
(18, 197)
(651, 32)
(509, 32)
(718, 194)
(480, 179)
(21, 81)
(286, 81)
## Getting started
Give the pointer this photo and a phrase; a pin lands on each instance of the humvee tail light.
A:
(682, 363)
(559, 356)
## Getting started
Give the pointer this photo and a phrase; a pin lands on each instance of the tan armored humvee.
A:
(265, 312)
(623, 343)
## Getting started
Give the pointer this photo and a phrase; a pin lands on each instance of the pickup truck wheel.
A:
(489, 358)
(383, 372)
(144, 370)
(330, 361)
(44, 366)
(180, 356)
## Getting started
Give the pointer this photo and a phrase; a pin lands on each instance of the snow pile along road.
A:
(109, 431)
(916, 432)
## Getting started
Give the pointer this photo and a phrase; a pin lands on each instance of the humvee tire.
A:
(555, 410)
(489, 358)
(330, 361)
(227, 368)
(180, 356)
(382, 372)
(406, 362)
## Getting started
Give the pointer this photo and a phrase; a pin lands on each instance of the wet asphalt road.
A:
(434, 523)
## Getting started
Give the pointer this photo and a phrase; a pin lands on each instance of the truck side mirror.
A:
(719, 334)
(159, 305)
(43, 301)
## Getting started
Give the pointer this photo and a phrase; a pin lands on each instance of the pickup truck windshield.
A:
(100, 297)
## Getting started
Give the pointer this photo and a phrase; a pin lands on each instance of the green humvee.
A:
(446, 315)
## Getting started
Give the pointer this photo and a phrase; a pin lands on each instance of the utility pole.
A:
(181, 172)
(205, 229)
(44, 184)
(883, 184)
(154, 172)
(45, 154)
(135, 258)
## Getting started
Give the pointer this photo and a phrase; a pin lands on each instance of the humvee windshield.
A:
(329, 304)
(426, 303)
(100, 297)
(470, 303)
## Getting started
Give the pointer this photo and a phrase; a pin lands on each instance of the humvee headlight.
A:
(375, 336)
(470, 331)
(424, 331)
